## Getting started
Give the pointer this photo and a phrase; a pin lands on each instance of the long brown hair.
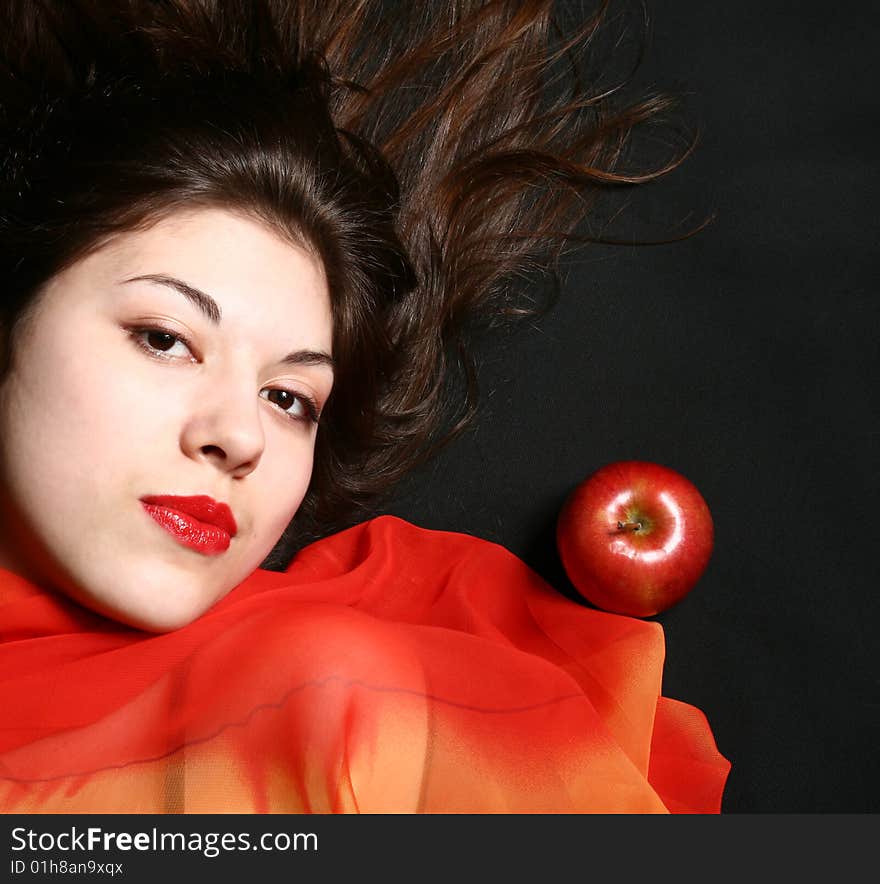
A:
(431, 153)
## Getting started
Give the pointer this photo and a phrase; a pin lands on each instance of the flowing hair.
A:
(432, 154)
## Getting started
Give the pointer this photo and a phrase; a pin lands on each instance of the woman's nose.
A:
(225, 429)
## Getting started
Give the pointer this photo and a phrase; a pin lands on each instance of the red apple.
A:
(634, 537)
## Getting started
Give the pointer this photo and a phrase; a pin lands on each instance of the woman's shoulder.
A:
(395, 569)
(410, 543)
(389, 547)
(390, 570)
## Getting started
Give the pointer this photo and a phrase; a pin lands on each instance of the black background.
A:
(744, 358)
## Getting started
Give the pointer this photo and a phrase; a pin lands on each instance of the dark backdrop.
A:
(745, 358)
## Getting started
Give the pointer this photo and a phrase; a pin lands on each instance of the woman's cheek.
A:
(287, 471)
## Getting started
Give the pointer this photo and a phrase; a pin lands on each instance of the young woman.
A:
(240, 246)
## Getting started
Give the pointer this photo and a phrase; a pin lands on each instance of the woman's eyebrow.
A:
(308, 357)
(211, 309)
(203, 301)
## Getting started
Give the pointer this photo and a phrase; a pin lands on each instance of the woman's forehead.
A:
(223, 263)
(224, 237)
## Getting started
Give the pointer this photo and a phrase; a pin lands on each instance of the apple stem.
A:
(629, 526)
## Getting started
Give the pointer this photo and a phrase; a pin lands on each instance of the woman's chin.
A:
(153, 599)
(154, 621)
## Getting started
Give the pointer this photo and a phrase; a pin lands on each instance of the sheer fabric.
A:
(391, 669)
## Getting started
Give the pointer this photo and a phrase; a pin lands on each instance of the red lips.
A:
(198, 522)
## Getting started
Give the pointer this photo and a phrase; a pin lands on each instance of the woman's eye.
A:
(155, 340)
(296, 406)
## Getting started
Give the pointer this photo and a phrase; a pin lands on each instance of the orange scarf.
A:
(390, 669)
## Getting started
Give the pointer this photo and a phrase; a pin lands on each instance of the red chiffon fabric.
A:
(391, 669)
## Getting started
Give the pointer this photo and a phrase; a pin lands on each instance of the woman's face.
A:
(157, 426)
